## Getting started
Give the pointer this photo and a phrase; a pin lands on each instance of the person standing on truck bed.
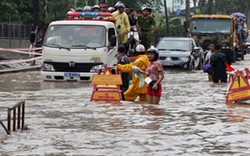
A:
(132, 18)
(147, 26)
(95, 8)
(103, 7)
(86, 9)
(122, 22)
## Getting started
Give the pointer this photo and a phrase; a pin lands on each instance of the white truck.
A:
(75, 49)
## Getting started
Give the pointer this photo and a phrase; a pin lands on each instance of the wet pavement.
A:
(191, 119)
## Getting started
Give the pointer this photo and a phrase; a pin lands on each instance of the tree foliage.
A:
(223, 6)
(23, 11)
(18, 11)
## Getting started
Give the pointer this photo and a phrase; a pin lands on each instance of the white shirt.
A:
(207, 59)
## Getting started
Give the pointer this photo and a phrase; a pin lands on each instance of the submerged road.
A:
(191, 119)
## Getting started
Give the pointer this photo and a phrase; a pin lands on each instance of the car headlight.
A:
(48, 67)
(96, 68)
(184, 59)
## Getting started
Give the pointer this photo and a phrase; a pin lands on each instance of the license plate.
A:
(71, 75)
(167, 64)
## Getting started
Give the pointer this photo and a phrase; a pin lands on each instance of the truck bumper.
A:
(66, 76)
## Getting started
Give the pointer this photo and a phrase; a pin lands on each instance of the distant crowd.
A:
(241, 29)
(127, 19)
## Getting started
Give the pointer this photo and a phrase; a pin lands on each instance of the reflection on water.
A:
(191, 119)
(238, 112)
(31, 81)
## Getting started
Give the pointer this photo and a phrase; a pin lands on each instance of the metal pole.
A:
(73, 3)
(9, 119)
(36, 19)
(187, 11)
(18, 116)
(187, 15)
(14, 119)
(166, 16)
(23, 113)
(6, 130)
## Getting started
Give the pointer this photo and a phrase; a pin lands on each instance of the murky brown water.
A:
(191, 119)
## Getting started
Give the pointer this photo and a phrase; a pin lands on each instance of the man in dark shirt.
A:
(132, 18)
(217, 61)
(123, 59)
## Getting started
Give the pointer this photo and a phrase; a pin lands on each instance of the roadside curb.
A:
(36, 67)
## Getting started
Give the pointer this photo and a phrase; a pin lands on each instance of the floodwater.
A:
(191, 119)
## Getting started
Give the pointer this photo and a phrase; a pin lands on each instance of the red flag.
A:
(229, 68)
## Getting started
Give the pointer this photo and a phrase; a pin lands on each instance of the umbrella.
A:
(238, 14)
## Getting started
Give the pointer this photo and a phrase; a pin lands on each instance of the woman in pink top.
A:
(155, 76)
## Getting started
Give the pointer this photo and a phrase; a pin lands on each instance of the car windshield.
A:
(75, 36)
(208, 25)
(174, 45)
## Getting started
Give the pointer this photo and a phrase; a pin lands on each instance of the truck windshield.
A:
(208, 25)
(75, 36)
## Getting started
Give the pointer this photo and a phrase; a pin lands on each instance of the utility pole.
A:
(36, 14)
(187, 11)
(187, 15)
(166, 17)
(34, 30)
(73, 3)
(86, 2)
(96, 2)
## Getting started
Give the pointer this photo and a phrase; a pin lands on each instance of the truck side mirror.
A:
(32, 36)
(113, 41)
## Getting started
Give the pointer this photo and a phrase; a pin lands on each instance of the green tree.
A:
(223, 6)
(18, 12)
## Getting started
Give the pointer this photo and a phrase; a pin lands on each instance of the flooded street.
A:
(191, 119)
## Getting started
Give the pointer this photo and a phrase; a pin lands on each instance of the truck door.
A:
(112, 46)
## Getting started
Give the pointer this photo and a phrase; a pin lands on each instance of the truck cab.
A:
(205, 28)
(75, 49)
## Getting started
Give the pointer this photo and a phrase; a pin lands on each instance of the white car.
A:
(182, 52)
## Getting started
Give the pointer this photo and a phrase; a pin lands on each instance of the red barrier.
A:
(106, 86)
